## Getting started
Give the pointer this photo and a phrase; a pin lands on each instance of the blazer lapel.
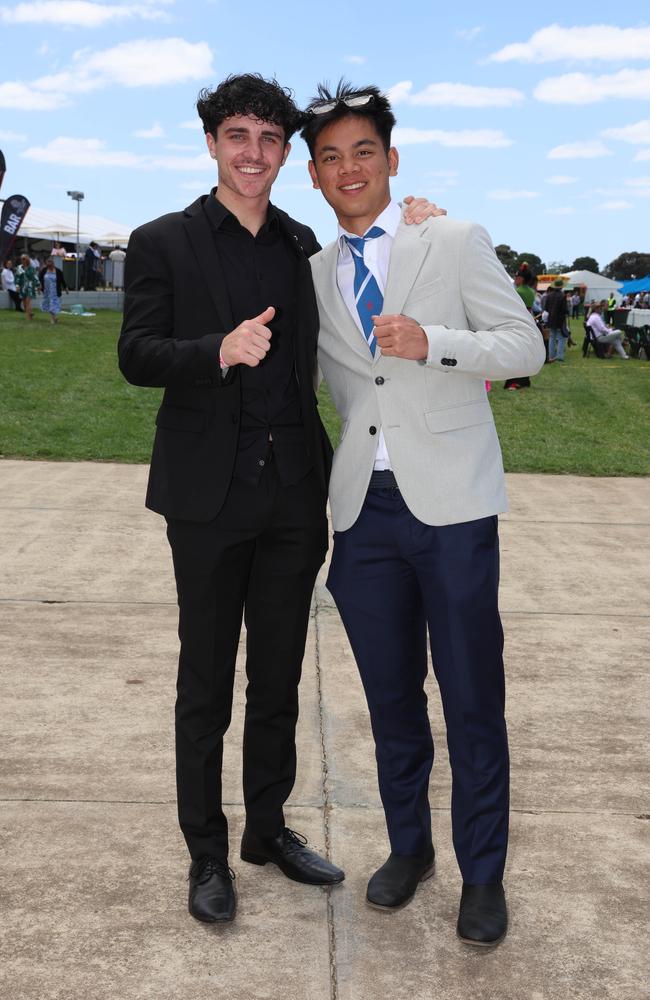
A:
(333, 301)
(200, 236)
(407, 256)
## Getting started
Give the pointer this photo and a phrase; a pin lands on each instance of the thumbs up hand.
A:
(248, 343)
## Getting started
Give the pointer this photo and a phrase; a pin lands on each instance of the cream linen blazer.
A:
(435, 414)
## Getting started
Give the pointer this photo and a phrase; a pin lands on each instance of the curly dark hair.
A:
(377, 110)
(249, 94)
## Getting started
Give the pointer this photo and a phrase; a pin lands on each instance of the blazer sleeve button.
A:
(379, 380)
(372, 430)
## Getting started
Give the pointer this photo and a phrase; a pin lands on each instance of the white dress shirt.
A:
(376, 254)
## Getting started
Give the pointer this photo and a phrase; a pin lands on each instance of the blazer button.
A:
(372, 430)
(379, 380)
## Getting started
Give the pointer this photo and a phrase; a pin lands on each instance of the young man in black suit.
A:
(220, 311)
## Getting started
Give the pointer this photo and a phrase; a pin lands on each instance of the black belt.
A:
(383, 479)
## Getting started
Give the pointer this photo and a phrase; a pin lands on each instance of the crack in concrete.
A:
(331, 929)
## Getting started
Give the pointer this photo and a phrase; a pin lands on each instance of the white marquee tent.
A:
(41, 222)
(597, 286)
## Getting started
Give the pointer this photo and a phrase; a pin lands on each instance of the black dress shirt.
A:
(261, 271)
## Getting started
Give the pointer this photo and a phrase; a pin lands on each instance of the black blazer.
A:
(176, 313)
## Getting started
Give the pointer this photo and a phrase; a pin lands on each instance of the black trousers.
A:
(15, 298)
(258, 559)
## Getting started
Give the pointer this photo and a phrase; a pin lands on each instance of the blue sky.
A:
(536, 125)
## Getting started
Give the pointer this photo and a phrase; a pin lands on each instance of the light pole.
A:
(77, 196)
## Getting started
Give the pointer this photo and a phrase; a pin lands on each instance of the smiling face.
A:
(249, 154)
(352, 169)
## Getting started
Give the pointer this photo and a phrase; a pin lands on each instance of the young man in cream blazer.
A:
(413, 321)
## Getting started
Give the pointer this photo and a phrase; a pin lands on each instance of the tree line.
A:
(626, 267)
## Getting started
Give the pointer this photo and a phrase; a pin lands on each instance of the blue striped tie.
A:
(367, 296)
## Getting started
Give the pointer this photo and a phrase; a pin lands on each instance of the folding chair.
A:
(600, 350)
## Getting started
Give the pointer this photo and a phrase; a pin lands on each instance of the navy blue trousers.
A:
(392, 578)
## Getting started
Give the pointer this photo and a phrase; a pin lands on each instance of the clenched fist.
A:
(401, 337)
(249, 343)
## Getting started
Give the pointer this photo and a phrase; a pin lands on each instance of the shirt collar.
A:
(389, 220)
(217, 213)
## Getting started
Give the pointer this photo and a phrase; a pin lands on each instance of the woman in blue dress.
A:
(27, 284)
(52, 285)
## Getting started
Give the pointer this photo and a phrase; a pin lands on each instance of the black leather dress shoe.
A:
(289, 852)
(212, 894)
(394, 884)
(483, 916)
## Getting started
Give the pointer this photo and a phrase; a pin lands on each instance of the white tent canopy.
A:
(597, 286)
(41, 222)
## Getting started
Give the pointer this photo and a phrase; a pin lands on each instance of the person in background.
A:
(91, 266)
(118, 256)
(52, 285)
(9, 285)
(58, 253)
(575, 305)
(556, 308)
(525, 285)
(606, 334)
(27, 284)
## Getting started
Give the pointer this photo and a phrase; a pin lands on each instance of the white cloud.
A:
(81, 153)
(25, 97)
(585, 88)
(140, 63)
(641, 182)
(442, 178)
(589, 150)
(614, 206)
(505, 194)
(150, 62)
(561, 179)
(73, 152)
(193, 123)
(583, 42)
(642, 155)
(79, 13)
(155, 132)
(486, 138)
(560, 210)
(12, 137)
(469, 34)
(638, 133)
(459, 95)
(355, 60)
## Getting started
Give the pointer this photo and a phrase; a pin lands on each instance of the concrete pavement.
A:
(93, 892)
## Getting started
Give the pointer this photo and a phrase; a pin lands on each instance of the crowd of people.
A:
(42, 274)
(553, 308)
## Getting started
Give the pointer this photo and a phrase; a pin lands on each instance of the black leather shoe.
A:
(212, 894)
(483, 916)
(290, 853)
(394, 884)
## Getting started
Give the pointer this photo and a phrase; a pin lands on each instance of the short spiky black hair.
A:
(377, 110)
(249, 94)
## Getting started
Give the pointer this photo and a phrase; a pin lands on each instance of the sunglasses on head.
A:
(357, 101)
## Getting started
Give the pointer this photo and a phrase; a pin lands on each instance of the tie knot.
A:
(356, 243)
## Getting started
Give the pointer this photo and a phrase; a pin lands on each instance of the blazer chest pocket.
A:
(454, 418)
(175, 418)
(425, 291)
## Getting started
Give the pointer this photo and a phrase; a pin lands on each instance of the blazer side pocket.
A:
(455, 417)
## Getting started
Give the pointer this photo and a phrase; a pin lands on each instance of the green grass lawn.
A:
(64, 398)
